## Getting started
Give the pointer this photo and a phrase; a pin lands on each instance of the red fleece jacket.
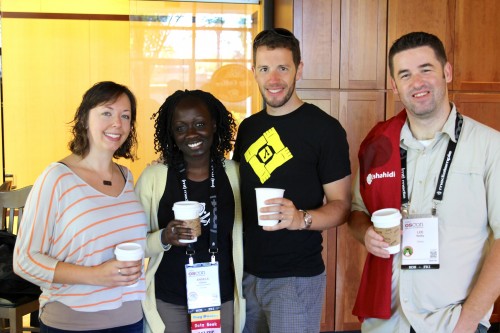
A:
(380, 188)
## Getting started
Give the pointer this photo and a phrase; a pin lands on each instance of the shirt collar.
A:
(449, 125)
(447, 131)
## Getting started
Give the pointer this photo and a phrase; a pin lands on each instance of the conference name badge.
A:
(203, 297)
(420, 245)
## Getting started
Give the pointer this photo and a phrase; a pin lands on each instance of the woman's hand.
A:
(175, 231)
(113, 273)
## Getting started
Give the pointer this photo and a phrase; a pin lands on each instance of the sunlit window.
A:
(204, 46)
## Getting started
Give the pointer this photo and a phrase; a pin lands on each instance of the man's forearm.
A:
(332, 214)
(484, 293)
(358, 223)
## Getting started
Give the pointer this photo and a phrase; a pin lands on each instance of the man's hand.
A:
(284, 210)
(375, 244)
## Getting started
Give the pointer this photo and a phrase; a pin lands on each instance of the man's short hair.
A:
(414, 40)
(277, 38)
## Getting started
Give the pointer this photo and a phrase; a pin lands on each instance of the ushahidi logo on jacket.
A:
(372, 176)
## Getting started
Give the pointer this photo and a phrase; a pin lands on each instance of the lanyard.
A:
(213, 221)
(443, 174)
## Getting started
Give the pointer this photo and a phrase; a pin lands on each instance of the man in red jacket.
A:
(442, 170)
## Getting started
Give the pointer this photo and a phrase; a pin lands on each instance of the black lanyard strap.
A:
(213, 222)
(443, 174)
(213, 249)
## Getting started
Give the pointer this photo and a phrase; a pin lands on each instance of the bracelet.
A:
(166, 247)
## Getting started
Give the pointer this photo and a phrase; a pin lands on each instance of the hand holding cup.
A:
(263, 194)
(189, 213)
(387, 223)
(129, 252)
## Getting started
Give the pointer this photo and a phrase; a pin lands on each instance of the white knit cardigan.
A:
(149, 188)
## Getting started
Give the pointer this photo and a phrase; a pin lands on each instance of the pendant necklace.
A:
(104, 182)
(108, 182)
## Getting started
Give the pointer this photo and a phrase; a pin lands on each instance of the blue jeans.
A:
(132, 328)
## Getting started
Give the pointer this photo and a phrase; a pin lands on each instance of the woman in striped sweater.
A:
(78, 210)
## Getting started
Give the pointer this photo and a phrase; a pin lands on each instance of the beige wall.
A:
(47, 66)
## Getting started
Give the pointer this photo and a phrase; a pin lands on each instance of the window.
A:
(205, 46)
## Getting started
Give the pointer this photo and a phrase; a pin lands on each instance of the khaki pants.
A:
(177, 319)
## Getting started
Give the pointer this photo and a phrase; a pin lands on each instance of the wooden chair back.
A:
(6, 186)
(12, 206)
(12, 311)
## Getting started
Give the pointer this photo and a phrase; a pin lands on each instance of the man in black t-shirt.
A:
(297, 147)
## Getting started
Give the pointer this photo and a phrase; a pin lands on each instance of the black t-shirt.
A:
(170, 278)
(300, 152)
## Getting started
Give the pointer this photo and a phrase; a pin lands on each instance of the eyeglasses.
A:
(277, 31)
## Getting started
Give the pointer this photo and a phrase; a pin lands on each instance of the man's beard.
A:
(279, 103)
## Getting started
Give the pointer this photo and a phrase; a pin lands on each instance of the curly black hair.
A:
(164, 138)
(99, 94)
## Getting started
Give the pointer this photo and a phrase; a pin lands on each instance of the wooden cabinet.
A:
(317, 27)
(432, 16)
(482, 107)
(343, 48)
(439, 19)
(328, 101)
(342, 43)
(359, 111)
(468, 29)
(362, 51)
(477, 34)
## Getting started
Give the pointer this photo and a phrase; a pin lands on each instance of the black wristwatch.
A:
(307, 220)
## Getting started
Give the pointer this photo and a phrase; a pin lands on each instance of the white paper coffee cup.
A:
(387, 223)
(129, 252)
(262, 194)
(189, 212)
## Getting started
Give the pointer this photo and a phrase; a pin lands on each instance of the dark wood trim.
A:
(66, 16)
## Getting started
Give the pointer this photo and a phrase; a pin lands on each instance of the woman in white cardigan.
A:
(193, 132)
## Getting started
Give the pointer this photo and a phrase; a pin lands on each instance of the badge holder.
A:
(420, 244)
(202, 279)
(203, 296)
